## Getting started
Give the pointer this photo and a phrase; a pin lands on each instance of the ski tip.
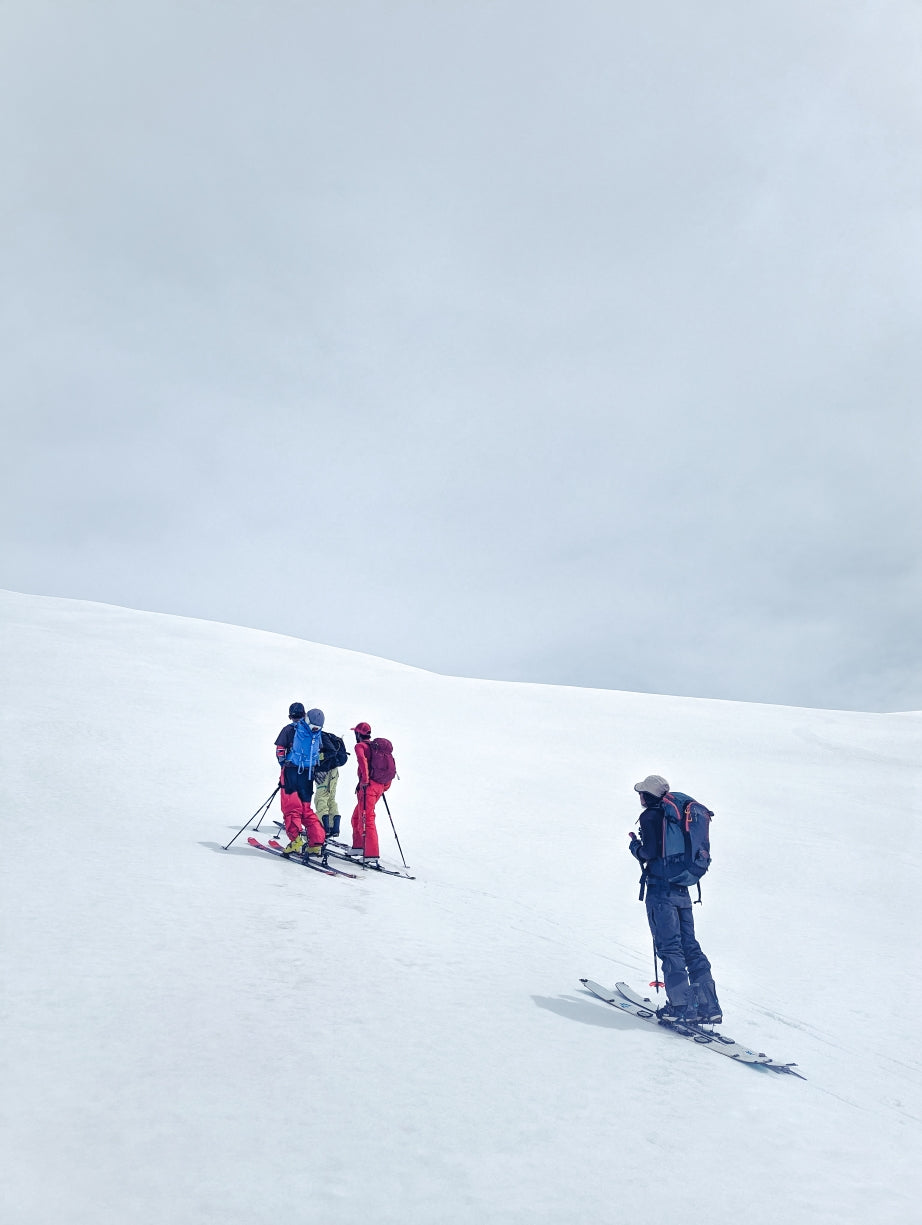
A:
(788, 1068)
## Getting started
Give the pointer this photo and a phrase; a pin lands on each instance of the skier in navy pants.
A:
(690, 989)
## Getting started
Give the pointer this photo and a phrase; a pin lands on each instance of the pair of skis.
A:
(625, 999)
(339, 849)
(309, 861)
(320, 863)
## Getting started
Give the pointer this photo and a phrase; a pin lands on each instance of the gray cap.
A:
(653, 784)
(315, 717)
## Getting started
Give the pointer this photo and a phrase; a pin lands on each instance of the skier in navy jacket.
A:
(690, 989)
(304, 830)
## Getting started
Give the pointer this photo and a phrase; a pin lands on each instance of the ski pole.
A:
(266, 807)
(391, 819)
(260, 812)
(656, 982)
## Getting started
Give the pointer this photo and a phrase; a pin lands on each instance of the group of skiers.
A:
(673, 846)
(310, 759)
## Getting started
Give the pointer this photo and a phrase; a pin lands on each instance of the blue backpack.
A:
(686, 839)
(305, 749)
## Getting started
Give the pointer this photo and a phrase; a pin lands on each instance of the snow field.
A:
(199, 1035)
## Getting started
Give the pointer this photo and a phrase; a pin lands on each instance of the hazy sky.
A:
(568, 342)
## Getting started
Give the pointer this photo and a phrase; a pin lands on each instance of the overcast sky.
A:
(569, 342)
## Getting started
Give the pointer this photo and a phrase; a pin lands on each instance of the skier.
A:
(297, 748)
(690, 989)
(375, 762)
(333, 754)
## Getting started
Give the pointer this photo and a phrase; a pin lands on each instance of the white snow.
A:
(193, 1035)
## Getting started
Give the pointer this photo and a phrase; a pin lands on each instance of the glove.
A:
(320, 776)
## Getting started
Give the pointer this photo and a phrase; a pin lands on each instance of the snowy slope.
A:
(196, 1035)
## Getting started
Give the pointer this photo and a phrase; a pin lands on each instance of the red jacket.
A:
(363, 761)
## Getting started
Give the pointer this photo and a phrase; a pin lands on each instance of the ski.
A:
(277, 850)
(623, 998)
(360, 863)
(317, 862)
(345, 846)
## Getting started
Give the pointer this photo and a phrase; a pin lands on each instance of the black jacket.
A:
(648, 848)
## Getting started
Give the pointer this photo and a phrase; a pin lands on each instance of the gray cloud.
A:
(576, 345)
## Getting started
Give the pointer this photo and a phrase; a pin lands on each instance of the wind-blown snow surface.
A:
(198, 1035)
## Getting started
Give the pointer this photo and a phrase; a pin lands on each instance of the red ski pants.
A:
(364, 830)
(300, 818)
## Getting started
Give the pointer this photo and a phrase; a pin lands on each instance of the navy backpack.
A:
(686, 839)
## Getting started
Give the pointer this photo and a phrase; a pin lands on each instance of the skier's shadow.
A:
(242, 849)
(574, 1008)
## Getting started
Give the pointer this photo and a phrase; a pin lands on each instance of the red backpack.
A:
(381, 768)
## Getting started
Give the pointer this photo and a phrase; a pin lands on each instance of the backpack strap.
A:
(687, 826)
